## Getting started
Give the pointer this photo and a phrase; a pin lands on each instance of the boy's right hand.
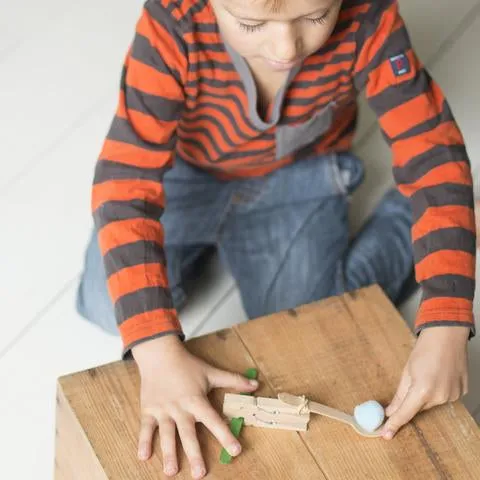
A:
(174, 388)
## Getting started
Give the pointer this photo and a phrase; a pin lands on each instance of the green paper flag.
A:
(236, 424)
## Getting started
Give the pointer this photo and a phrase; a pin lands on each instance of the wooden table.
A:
(341, 352)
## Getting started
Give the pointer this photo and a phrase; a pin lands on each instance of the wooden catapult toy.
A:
(287, 412)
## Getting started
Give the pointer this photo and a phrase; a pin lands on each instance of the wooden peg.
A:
(265, 412)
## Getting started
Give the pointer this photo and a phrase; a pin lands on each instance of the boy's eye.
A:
(256, 27)
(250, 28)
(319, 20)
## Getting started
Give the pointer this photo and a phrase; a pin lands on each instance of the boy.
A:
(253, 104)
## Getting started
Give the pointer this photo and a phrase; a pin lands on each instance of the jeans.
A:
(284, 237)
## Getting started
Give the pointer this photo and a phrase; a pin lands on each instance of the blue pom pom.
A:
(369, 415)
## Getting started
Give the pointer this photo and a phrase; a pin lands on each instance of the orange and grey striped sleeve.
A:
(128, 196)
(430, 164)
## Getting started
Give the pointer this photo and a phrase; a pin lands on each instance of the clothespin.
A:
(266, 412)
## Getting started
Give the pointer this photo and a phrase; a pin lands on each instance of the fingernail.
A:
(253, 383)
(388, 435)
(234, 449)
(170, 469)
(198, 472)
(143, 453)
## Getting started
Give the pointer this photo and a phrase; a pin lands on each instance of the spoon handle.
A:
(315, 407)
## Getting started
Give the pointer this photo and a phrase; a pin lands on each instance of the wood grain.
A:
(339, 352)
(105, 401)
(348, 350)
(73, 447)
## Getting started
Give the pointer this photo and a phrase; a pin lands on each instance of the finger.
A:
(223, 379)
(411, 405)
(188, 437)
(166, 431)
(400, 394)
(212, 420)
(147, 429)
(446, 395)
(438, 401)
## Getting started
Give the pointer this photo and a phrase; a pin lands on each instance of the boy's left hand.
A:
(436, 373)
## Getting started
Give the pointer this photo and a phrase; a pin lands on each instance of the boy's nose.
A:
(286, 45)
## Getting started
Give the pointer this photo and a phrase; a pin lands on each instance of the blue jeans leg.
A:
(287, 243)
(382, 251)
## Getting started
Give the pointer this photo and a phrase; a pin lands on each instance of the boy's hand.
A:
(174, 397)
(436, 373)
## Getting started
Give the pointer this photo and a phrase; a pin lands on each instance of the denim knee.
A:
(279, 299)
(351, 170)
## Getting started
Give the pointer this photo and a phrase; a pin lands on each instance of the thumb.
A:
(400, 394)
(223, 379)
(411, 405)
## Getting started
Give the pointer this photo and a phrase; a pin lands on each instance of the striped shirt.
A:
(185, 92)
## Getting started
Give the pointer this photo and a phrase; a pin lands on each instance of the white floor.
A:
(60, 65)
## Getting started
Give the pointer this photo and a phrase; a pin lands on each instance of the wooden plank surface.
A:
(73, 447)
(106, 403)
(340, 352)
(346, 352)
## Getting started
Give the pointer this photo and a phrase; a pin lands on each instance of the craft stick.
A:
(276, 405)
(277, 421)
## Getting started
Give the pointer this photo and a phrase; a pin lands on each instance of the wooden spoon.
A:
(305, 406)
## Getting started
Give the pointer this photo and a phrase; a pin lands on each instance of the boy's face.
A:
(276, 38)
